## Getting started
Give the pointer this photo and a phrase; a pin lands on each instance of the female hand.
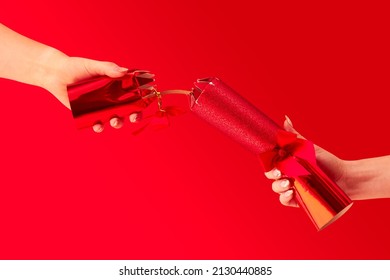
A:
(73, 69)
(25, 60)
(334, 167)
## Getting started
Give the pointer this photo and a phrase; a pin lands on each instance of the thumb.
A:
(288, 126)
(320, 152)
(101, 68)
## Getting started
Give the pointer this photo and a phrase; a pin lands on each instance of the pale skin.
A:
(30, 62)
(360, 179)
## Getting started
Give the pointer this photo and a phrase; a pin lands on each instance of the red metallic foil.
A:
(99, 99)
(316, 193)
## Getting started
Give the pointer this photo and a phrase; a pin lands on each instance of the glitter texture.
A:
(222, 107)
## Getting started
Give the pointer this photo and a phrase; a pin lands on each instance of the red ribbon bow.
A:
(288, 147)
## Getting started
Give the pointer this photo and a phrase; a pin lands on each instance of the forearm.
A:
(25, 60)
(368, 178)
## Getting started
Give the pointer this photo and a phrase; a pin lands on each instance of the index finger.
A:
(274, 174)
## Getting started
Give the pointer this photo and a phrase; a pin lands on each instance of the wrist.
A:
(353, 179)
(367, 178)
(49, 68)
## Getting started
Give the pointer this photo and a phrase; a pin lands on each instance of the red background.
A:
(189, 192)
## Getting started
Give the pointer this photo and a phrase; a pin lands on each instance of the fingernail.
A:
(288, 120)
(284, 184)
(134, 117)
(121, 69)
(276, 173)
(288, 193)
(114, 122)
(97, 128)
